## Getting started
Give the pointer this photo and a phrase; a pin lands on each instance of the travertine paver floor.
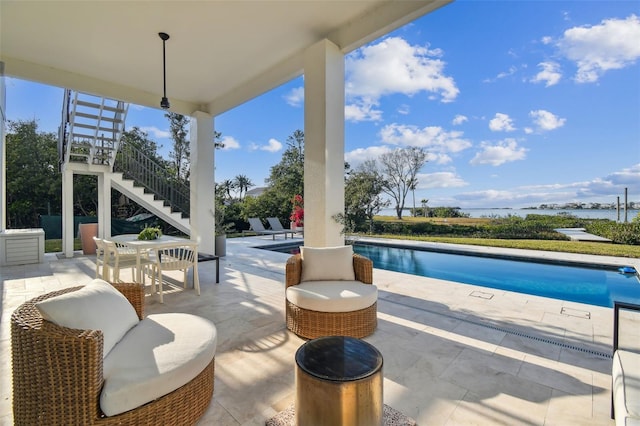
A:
(454, 354)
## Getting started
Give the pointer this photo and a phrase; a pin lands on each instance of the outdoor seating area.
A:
(454, 354)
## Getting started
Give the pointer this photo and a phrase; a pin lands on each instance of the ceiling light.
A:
(164, 103)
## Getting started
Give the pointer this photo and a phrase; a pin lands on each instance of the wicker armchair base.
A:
(183, 406)
(313, 324)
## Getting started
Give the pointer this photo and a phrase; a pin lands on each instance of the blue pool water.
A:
(594, 286)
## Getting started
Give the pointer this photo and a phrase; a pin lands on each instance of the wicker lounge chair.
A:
(311, 323)
(58, 374)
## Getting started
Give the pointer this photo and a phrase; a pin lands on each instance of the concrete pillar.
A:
(67, 213)
(202, 185)
(3, 153)
(104, 205)
(324, 144)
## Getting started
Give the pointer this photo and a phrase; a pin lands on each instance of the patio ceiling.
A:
(220, 54)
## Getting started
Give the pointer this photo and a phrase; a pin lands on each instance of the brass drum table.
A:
(338, 382)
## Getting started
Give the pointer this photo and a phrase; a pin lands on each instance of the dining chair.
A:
(100, 257)
(117, 257)
(178, 258)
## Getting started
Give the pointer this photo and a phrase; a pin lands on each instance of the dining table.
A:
(143, 246)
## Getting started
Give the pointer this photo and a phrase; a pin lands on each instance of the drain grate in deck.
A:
(481, 294)
(575, 313)
(600, 354)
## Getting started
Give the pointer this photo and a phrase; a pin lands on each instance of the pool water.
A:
(594, 286)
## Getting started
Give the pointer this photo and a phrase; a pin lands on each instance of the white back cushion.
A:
(327, 263)
(96, 306)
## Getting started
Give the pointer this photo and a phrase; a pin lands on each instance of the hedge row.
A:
(532, 227)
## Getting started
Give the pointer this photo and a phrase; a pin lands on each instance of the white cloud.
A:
(295, 97)
(360, 155)
(229, 143)
(601, 189)
(272, 146)
(394, 66)
(511, 71)
(501, 123)
(154, 132)
(550, 74)
(404, 109)
(435, 139)
(546, 121)
(440, 180)
(502, 152)
(459, 119)
(612, 44)
(362, 111)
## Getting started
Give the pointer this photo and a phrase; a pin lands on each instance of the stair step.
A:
(91, 137)
(97, 106)
(93, 127)
(97, 117)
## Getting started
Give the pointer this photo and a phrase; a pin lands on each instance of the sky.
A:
(517, 104)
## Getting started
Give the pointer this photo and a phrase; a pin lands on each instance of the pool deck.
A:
(454, 354)
(580, 234)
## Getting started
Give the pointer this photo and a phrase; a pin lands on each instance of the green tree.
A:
(139, 139)
(363, 201)
(181, 152)
(286, 178)
(400, 168)
(34, 184)
(242, 183)
(224, 189)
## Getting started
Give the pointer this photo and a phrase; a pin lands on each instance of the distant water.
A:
(610, 214)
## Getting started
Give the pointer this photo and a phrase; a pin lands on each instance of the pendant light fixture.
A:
(164, 103)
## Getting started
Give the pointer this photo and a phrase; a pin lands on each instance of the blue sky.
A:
(517, 103)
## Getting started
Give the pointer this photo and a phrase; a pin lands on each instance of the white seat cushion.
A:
(626, 386)
(160, 354)
(327, 263)
(96, 306)
(332, 296)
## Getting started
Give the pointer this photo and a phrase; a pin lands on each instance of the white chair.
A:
(178, 258)
(100, 257)
(117, 257)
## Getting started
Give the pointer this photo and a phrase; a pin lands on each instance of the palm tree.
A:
(226, 187)
(242, 183)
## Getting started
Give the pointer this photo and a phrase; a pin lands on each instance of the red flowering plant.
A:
(297, 214)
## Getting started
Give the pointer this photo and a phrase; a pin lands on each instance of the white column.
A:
(323, 144)
(3, 154)
(104, 205)
(202, 181)
(67, 213)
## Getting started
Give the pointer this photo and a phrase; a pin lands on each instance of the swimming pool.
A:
(594, 286)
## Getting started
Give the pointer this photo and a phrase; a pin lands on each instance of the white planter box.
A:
(21, 246)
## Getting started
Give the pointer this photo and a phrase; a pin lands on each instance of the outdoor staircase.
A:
(88, 143)
(91, 128)
(148, 201)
